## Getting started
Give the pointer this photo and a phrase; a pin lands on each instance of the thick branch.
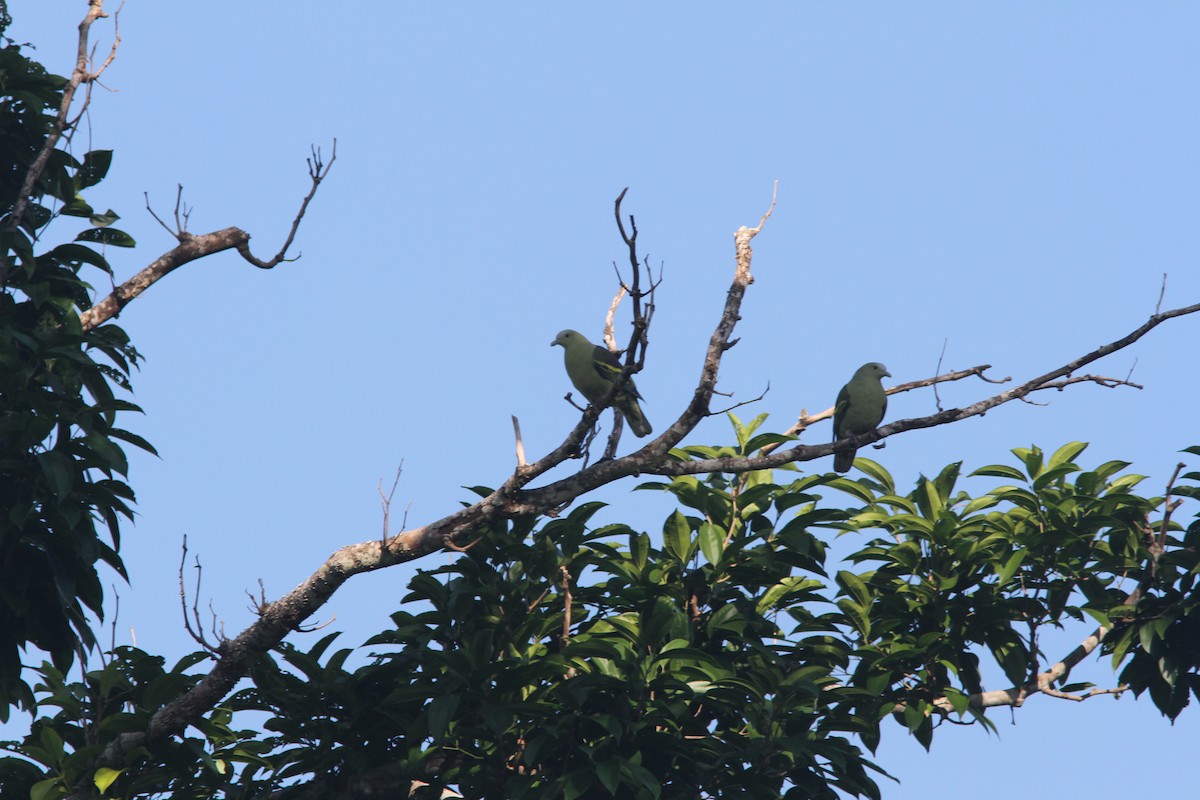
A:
(190, 248)
(1044, 681)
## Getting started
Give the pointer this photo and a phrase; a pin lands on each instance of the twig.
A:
(180, 232)
(181, 224)
(1158, 544)
(735, 406)
(315, 628)
(317, 171)
(385, 501)
(937, 400)
(610, 449)
(197, 633)
(1106, 382)
(1079, 698)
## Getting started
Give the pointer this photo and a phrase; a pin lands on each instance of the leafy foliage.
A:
(62, 463)
(723, 657)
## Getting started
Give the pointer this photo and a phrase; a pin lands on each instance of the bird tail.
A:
(637, 420)
(843, 461)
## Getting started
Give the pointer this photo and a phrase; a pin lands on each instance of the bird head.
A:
(566, 337)
(873, 369)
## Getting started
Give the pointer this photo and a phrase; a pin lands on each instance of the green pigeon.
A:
(594, 370)
(860, 407)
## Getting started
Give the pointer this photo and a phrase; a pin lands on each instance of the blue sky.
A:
(1010, 179)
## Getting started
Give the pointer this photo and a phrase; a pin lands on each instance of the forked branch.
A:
(192, 247)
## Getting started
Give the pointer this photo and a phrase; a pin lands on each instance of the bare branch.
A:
(317, 171)
(937, 400)
(192, 247)
(806, 420)
(157, 218)
(385, 501)
(1108, 383)
(751, 401)
(197, 632)
(189, 249)
(809, 452)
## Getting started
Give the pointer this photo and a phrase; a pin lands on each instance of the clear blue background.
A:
(1011, 178)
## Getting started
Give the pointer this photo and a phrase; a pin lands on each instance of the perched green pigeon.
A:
(860, 407)
(593, 370)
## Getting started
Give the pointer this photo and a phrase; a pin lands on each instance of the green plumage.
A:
(860, 407)
(594, 370)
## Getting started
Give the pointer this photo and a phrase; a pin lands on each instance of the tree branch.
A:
(317, 172)
(80, 75)
(192, 247)
(1050, 380)
(189, 249)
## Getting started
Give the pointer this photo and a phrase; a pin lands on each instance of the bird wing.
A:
(839, 410)
(609, 367)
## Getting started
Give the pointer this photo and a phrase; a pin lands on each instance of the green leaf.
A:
(95, 167)
(111, 236)
(78, 207)
(59, 471)
(578, 782)
(1066, 454)
(712, 542)
(876, 471)
(1031, 457)
(1010, 567)
(853, 488)
(47, 790)
(76, 255)
(764, 439)
(677, 536)
(999, 471)
(441, 712)
(104, 220)
(744, 432)
(609, 773)
(854, 586)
